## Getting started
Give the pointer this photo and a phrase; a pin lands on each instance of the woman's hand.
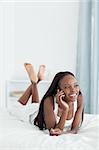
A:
(55, 132)
(72, 131)
(59, 100)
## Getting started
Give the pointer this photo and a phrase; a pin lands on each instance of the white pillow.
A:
(22, 112)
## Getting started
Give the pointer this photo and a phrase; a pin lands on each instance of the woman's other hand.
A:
(74, 131)
(55, 132)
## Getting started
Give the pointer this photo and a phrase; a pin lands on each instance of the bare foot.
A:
(41, 72)
(31, 73)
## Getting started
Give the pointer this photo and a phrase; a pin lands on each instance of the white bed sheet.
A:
(19, 135)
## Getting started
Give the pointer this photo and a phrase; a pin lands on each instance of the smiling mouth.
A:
(72, 95)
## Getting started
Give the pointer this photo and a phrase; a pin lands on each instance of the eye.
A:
(67, 87)
(76, 85)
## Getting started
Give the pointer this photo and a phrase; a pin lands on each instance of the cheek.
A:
(67, 92)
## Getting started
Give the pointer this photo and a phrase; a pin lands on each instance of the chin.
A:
(72, 100)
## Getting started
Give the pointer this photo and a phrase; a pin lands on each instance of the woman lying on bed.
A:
(57, 105)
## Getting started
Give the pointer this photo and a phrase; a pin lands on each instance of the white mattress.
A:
(20, 135)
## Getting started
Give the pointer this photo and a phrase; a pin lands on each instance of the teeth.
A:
(73, 95)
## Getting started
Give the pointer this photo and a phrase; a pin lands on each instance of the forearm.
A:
(75, 126)
(62, 120)
(76, 122)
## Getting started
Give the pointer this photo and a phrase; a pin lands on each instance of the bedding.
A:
(18, 134)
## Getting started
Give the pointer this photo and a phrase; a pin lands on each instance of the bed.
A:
(17, 134)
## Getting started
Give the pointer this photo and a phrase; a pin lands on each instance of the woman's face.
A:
(70, 87)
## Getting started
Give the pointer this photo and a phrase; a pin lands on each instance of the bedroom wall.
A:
(40, 32)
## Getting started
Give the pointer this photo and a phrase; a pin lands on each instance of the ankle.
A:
(23, 103)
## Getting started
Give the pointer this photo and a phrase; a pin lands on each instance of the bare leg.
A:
(35, 95)
(31, 90)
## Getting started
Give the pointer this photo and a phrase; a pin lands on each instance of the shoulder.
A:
(49, 99)
(49, 102)
(80, 100)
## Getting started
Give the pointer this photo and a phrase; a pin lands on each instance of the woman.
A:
(63, 91)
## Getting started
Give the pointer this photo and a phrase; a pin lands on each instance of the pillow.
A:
(22, 112)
